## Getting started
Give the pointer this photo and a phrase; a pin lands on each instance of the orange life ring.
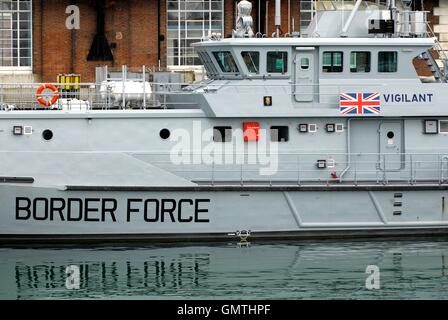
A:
(53, 100)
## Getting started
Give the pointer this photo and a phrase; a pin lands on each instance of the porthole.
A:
(164, 133)
(390, 135)
(47, 134)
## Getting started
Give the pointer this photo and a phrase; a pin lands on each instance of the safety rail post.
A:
(144, 86)
(241, 174)
(154, 94)
(356, 172)
(20, 94)
(92, 97)
(377, 169)
(443, 160)
(298, 170)
(77, 94)
(415, 171)
(442, 176)
(213, 172)
(109, 97)
(123, 77)
(384, 169)
(444, 168)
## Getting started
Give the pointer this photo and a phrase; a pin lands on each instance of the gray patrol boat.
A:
(328, 133)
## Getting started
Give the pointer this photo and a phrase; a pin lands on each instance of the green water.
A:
(302, 270)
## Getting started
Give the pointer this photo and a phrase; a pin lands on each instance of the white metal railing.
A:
(301, 168)
(443, 55)
(437, 45)
(290, 168)
(90, 96)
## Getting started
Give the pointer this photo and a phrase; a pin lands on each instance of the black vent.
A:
(100, 49)
(381, 26)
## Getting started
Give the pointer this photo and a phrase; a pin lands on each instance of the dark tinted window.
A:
(222, 134)
(280, 133)
(332, 61)
(360, 61)
(252, 61)
(277, 62)
(387, 61)
(226, 61)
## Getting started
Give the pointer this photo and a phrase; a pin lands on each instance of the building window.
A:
(15, 33)
(277, 62)
(188, 21)
(226, 61)
(252, 61)
(307, 12)
(332, 61)
(387, 61)
(360, 61)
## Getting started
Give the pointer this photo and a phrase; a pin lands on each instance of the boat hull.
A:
(205, 213)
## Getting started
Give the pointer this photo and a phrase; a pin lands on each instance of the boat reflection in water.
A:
(408, 269)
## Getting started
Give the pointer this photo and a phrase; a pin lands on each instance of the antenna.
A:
(278, 18)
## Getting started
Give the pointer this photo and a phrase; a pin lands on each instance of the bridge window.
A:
(226, 61)
(360, 61)
(387, 61)
(277, 62)
(332, 61)
(209, 65)
(252, 61)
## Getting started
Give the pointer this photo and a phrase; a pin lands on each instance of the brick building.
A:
(36, 44)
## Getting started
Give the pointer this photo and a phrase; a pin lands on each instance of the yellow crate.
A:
(69, 82)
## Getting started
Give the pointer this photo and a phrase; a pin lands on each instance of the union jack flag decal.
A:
(360, 103)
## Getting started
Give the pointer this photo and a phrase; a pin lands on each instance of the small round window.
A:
(47, 134)
(390, 135)
(164, 133)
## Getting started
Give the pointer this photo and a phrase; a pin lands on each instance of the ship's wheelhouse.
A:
(313, 62)
(239, 62)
